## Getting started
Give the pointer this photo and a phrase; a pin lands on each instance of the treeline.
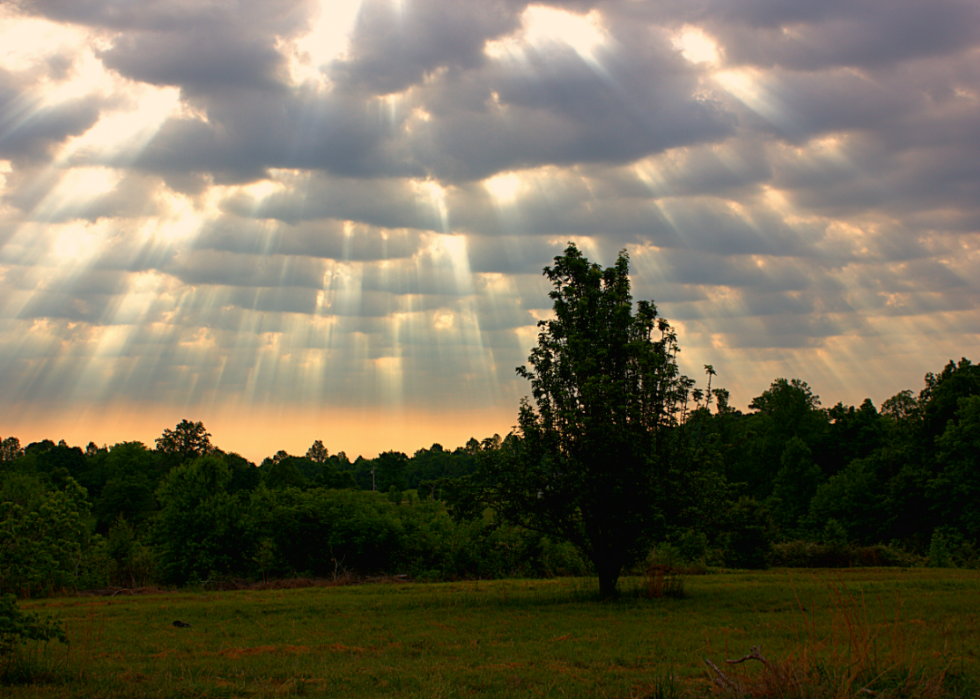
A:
(187, 512)
(789, 482)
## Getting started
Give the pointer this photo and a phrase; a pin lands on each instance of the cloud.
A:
(243, 17)
(201, 204)
(388, 203)
(231, 269)
(857, 34)
(198, 60)
(329, 239)
(246, 133)
(30, 129)
(396, 45)
(552, 107)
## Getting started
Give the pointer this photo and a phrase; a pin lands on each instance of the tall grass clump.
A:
(855, 657)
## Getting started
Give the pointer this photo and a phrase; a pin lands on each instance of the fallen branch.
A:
(721, 679)
(725, 682)
(755, 653)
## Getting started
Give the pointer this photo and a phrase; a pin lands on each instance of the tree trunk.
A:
(608, 573)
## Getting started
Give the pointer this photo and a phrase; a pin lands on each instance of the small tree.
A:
(187, 441)
(10, 450)
(597, 460)
(43, 536)
(199, 528)
(318, 452)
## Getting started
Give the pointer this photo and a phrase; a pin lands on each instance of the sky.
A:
(327, 219)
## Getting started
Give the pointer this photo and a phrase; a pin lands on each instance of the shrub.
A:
(16, 628)
(949, 549)
(748, 541)
(808, 554)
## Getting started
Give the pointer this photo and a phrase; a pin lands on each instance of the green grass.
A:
(908, 632)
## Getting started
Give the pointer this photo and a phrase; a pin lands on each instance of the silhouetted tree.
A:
(187, 441)
(10, 449)
(318, 452)
(597, 459)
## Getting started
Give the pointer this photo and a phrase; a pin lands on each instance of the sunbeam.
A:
(76, 188)
(751, 89)
(285, 211)
(696, 46)
(545, 27)
(327, 40)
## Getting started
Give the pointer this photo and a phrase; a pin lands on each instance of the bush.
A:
(16, 628)
(949, 549)
(748, 541)
(808, 554)
(322, 532)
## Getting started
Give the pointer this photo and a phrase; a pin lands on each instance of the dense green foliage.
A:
(596, 460)
(18, 627)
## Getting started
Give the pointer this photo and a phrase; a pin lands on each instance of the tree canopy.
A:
(187, 441)
(596, 459)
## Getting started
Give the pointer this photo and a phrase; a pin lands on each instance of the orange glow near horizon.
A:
(256, 434)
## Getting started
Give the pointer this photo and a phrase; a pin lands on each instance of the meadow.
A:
(856, 632)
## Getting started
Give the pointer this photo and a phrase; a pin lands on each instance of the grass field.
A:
(825, 633)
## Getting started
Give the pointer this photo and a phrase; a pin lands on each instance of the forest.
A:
(788, 482)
